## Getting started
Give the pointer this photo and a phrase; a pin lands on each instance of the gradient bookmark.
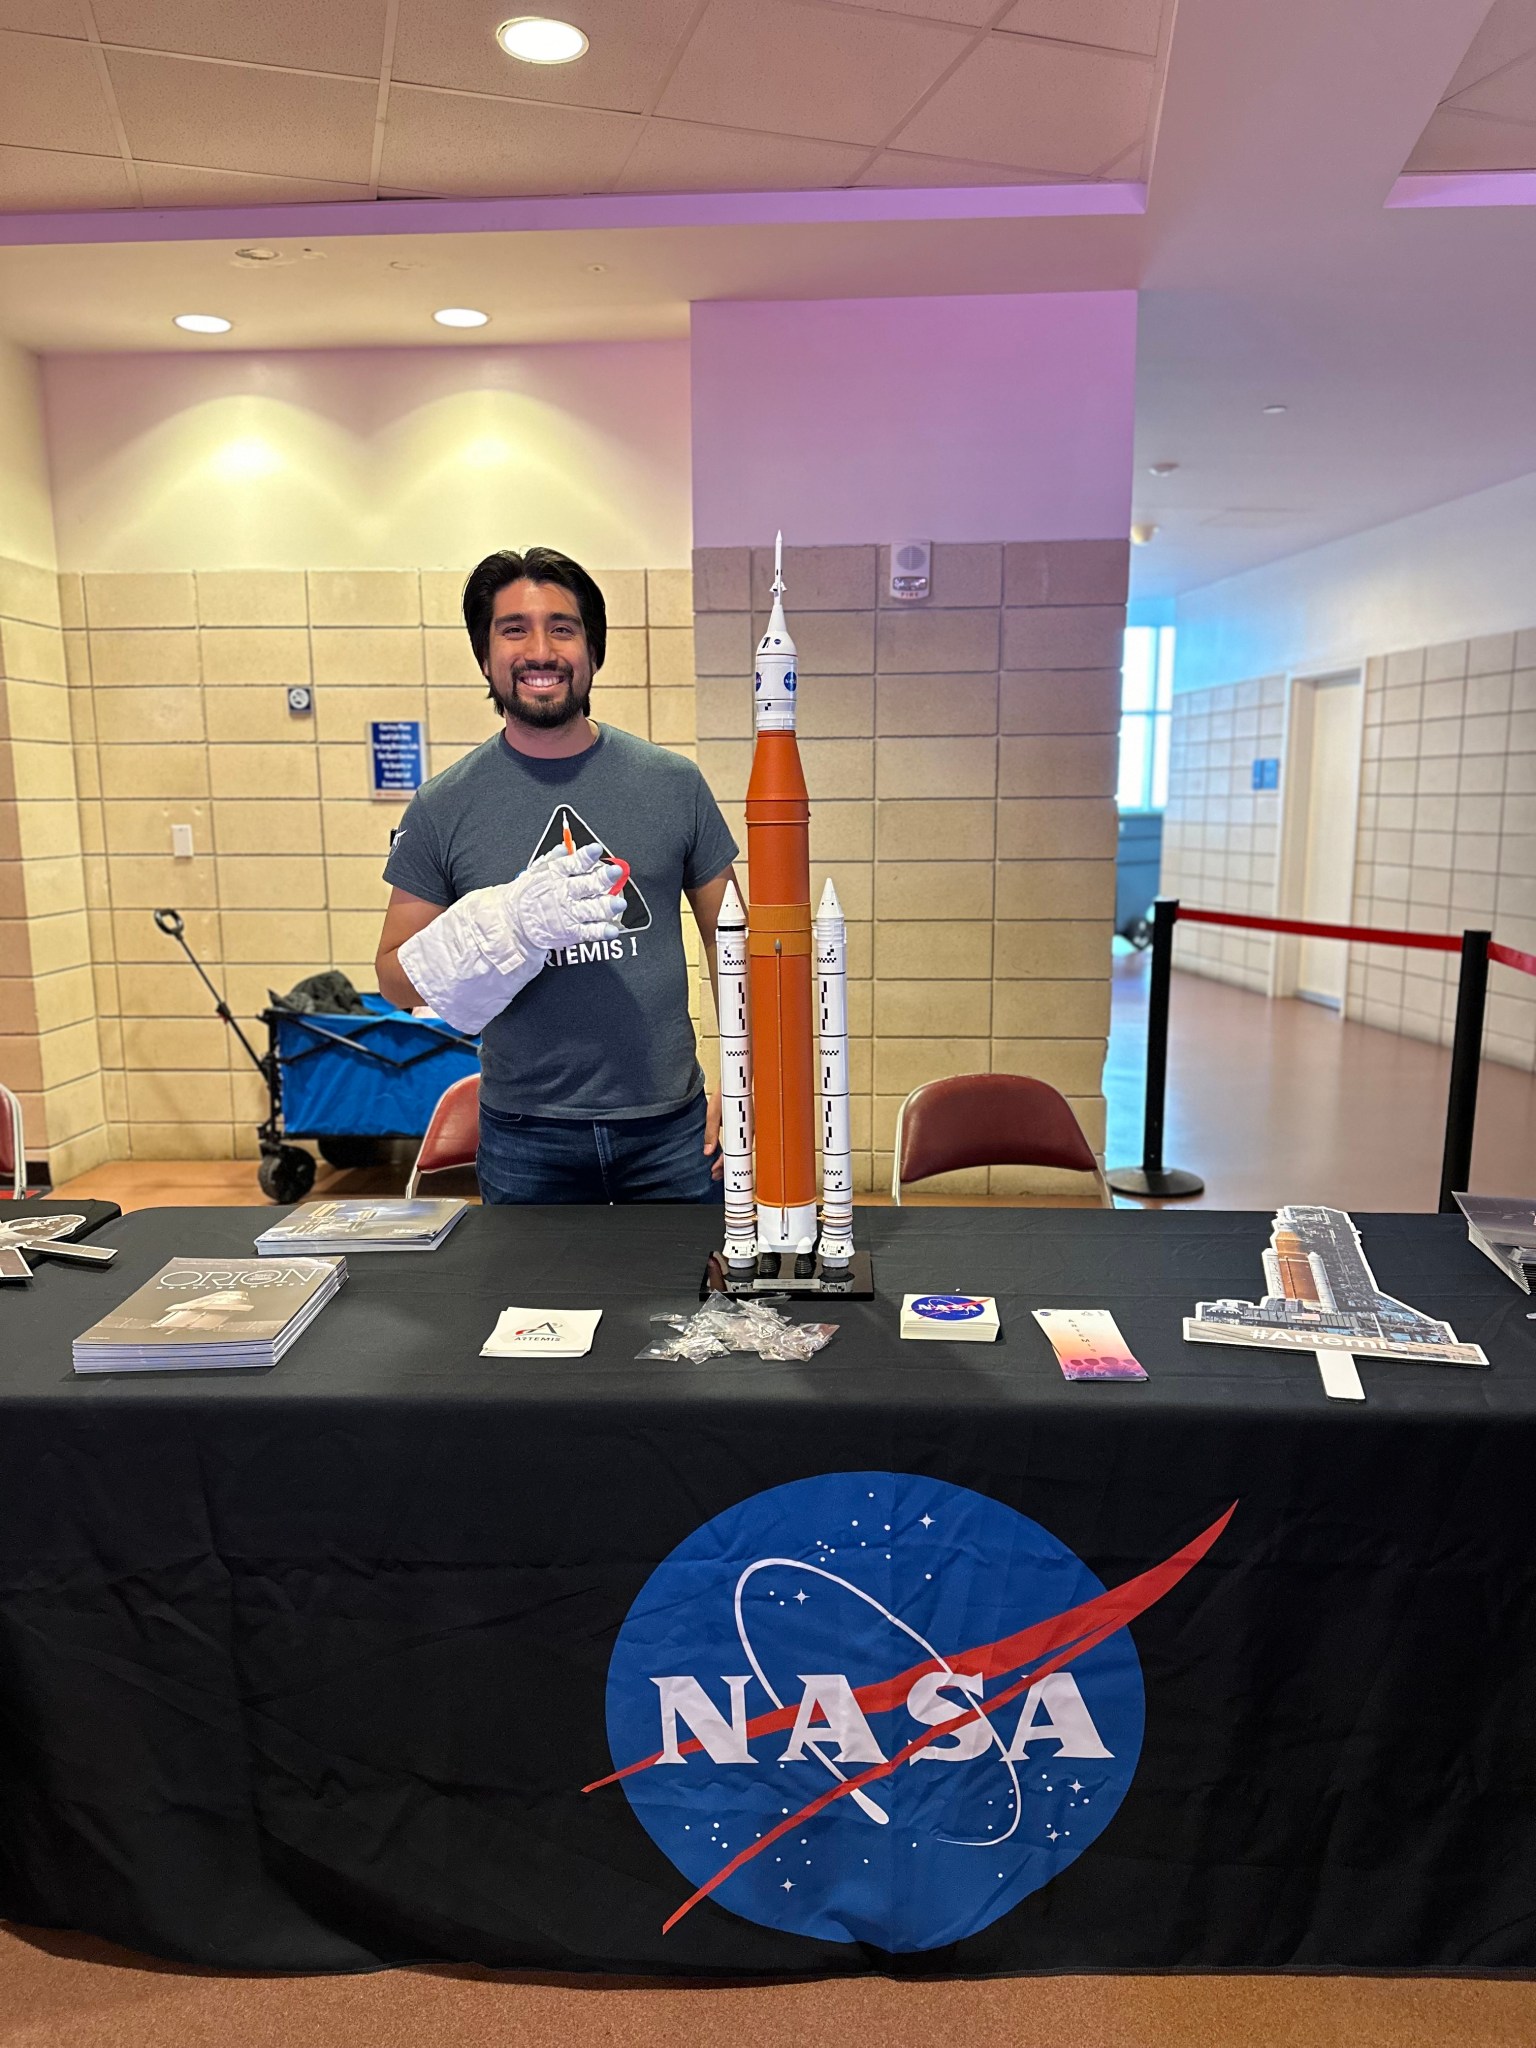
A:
(1088, 1344)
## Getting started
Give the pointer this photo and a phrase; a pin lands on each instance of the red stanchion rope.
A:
(1368, 935)
(1429, 942)
(1508, 956)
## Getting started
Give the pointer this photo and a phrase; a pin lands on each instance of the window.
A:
(1146, 710)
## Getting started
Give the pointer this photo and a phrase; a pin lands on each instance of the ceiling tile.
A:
(771, 64)
(42, 17)
(678, 156)
(1510, 94)
(1454, 141)
(901, 167)
(633, 43)
(179, 185)
(238, 119)
(1128, 164)
(51, 96)
(1509, 31)
(38, 179)
(333, 35)
(966, 13)
(448, 142)
(1037, 105)
(1105, 24)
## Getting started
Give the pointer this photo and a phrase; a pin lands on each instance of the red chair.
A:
(13, 1147)
(453, 1133)
(989, 1120)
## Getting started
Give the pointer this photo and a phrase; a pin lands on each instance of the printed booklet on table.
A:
(357, 1226)
(201, 1313)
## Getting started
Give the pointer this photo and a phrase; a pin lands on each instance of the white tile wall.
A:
(1220, 835)
(1448, 833)
(1446, 837)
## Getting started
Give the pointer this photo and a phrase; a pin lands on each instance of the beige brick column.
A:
(961, 758)
(49, 1052)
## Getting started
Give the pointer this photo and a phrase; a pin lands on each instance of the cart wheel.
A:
(286, 1175)
(344, 1152)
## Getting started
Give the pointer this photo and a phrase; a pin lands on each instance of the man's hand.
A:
(712, 1135)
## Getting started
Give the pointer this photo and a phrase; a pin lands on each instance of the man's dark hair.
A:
(537, 565)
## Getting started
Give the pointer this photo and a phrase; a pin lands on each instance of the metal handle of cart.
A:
(170, 922)
(286, 1172)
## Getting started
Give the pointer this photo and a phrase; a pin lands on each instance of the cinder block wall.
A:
(178, 685)
(49, 1052)
(961, 759)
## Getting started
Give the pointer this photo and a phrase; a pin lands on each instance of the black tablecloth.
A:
(307, 1669)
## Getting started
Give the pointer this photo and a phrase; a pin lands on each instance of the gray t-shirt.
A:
(604, 1030)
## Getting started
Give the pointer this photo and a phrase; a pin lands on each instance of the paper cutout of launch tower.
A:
(783, 989)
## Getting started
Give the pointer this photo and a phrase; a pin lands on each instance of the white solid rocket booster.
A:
(831, 937)
(735, 1079)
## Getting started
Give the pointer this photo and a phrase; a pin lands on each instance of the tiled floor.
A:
(1281, 1102)
(66, 1991)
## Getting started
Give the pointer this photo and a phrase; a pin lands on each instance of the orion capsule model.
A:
(784, 1131)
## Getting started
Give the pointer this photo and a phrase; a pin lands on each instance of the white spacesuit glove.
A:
(469, 963)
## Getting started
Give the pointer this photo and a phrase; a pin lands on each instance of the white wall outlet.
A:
(911, 570)
(181, 842)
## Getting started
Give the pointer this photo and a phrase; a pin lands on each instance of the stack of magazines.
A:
(1503, 1227)
(197, 1314)
(362, 1227)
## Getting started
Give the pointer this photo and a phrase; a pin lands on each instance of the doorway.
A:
(1317, 869)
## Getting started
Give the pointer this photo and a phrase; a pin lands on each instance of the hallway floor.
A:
(1273, 1102)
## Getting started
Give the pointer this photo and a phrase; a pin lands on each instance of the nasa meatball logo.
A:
(948, 1308)
(874, 1707)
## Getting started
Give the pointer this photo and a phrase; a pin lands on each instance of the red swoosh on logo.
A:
(1057, 1640)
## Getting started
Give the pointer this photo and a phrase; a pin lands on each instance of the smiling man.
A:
(537, 898)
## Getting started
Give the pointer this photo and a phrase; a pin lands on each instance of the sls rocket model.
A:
(783, 1011)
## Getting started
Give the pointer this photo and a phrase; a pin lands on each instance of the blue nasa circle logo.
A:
(947, 1308)
(873, 1707)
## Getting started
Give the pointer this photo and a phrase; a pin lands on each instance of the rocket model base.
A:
(850, 1281)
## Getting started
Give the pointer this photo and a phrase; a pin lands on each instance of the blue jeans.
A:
(618, 1159)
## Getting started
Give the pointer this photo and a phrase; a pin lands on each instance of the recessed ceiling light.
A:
(1161, 468)
(1143, 532)
(1273, 411)
(202, 323)
(460, 316)
(258, 254)
(535, 39)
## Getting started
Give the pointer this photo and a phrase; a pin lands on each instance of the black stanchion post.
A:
(1466, 1058)
(1152, 1178)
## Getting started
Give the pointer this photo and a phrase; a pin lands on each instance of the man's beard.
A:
(561, 708)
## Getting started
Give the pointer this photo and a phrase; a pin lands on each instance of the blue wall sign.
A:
(398, 756)
(1266, 773)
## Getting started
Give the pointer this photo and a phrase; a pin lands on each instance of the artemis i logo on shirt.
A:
(569, 829)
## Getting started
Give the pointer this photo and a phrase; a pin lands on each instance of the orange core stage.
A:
(779, 962)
